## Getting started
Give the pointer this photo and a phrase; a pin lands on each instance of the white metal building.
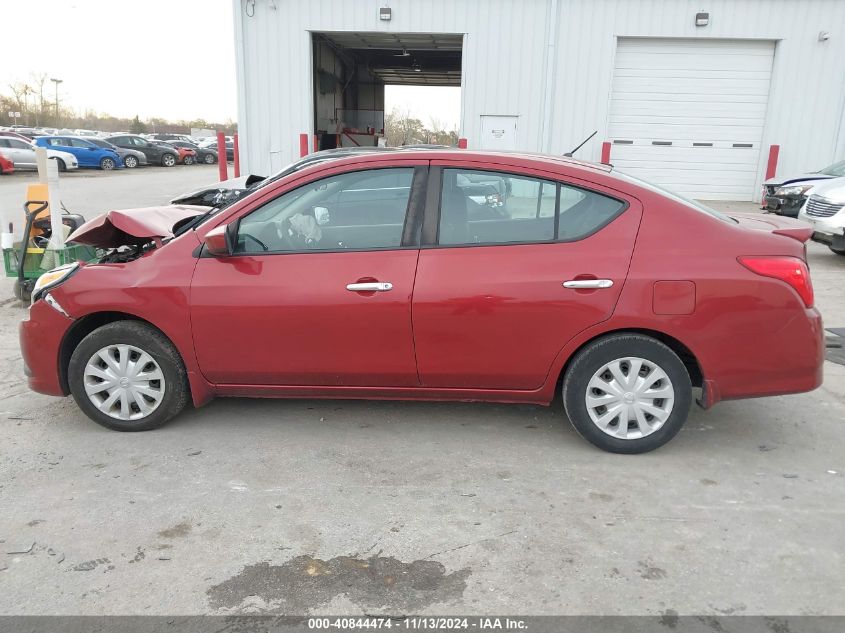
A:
(691, 94)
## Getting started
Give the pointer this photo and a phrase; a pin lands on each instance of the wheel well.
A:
(687, 357)
(82, 328)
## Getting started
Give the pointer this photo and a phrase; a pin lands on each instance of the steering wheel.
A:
(256, 240)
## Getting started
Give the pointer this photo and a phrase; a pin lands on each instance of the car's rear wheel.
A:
(60, 163)
(209, 159)
(168, 160)
(627, 393)
(107, 164)
(127, 376)
(130, 161)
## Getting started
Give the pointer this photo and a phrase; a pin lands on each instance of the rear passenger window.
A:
(486, 207)
(357, 210)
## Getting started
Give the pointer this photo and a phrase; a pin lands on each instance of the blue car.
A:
(87, 153)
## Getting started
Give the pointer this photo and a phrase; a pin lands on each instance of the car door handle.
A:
(375, 286)
(580, 284)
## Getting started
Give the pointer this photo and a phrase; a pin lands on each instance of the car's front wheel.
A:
(130, 161)
(60, 164)
(209, 159)
(837, 251)
(168, 160)
(627, 393)
(128, 376)
(107, 164)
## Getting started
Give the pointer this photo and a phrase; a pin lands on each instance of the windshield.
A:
(836, 169)
(695, 204)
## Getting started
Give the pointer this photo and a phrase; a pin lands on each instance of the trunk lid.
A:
(128, 227)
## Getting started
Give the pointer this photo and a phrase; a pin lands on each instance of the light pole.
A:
(56, 82)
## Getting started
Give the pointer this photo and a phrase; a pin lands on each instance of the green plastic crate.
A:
(39, 260)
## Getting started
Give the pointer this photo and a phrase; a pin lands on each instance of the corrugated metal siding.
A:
(511, 47)
(807, 94)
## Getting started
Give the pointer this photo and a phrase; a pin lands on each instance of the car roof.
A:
(532, 159)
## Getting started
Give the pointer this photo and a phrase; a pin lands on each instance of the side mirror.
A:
(217, 241)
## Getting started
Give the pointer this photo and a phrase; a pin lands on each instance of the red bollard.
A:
(222, 165)
(605, 153)
(772, 165)
(316, 144)
(462, 143)
(237, 157)
(303, 145)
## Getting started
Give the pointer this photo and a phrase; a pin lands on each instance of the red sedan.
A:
(6, 165)
(441, 275)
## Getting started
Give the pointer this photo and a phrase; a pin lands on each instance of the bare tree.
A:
(39, 79)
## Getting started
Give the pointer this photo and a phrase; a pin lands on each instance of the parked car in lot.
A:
(129, 157)
(22, 153)
(87, 153)
(7, 166)
(156, 153)
(165, 136)
(824, 210)
(786, 196)
(207, 155)
(364, 277)
(185, 155)
(230, 146)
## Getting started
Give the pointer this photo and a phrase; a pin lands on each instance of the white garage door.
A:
(688, 114)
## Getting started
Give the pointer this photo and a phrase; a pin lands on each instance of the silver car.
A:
(825, 211)
(22, 154)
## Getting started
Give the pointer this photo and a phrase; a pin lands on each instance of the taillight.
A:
(788, 269)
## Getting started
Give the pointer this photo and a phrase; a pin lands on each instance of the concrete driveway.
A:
(261, 506)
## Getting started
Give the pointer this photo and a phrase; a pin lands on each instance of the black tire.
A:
(130, 162)
(209, 159)
(838, 252)
(147, 339)
(60, 163)
(592, 358)
(189, 160)
(168, 160)
(107, 164)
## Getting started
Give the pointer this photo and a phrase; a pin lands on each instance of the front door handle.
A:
(581, 284)
(375, 286)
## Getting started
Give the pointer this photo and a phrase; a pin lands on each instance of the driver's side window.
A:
(358, 211)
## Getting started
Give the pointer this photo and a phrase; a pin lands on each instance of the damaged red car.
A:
(439, 275)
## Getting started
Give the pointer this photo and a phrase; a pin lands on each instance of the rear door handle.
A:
(375, 286)
(580, 284)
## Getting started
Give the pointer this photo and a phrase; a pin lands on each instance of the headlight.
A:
(53, 278)
(793, 190)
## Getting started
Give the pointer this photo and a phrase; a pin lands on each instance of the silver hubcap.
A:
(124, 382)
(169, 160)
(630, 398)
(131, 162)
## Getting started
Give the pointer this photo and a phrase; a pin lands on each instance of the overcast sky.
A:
(168, 58)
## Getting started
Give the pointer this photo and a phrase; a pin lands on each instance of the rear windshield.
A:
(694, 204)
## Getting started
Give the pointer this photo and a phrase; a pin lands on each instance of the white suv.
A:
(825, 211)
